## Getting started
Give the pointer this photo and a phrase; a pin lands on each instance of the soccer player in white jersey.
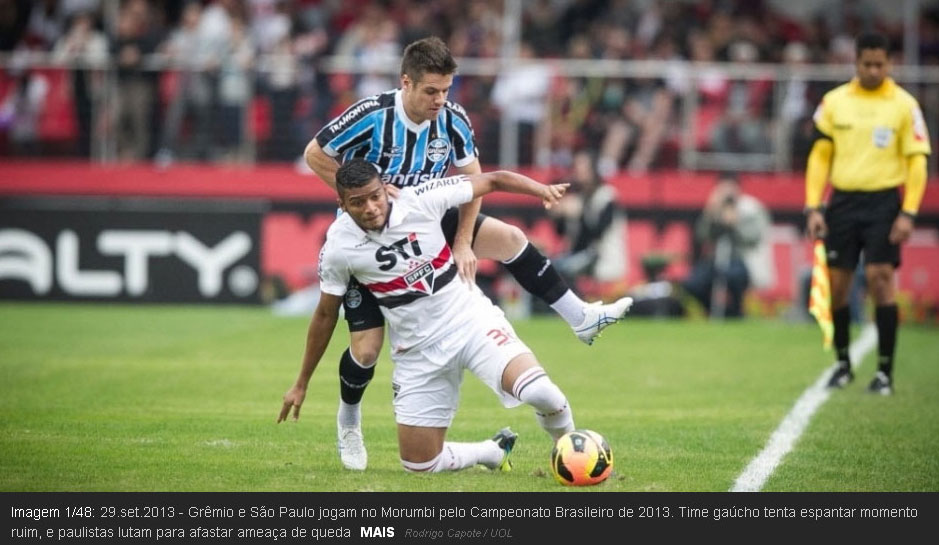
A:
(413, 135)
(438, 327)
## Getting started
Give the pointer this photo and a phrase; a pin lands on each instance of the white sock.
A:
(571, 308)
(457, 456)
(349, 415)
(552, 410)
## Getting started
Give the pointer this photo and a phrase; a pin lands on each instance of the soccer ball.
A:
(581, 458)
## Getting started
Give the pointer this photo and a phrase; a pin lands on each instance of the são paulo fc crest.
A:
(438, 149)
(421, 278)
(353, 298)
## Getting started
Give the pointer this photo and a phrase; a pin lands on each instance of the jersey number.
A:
(388, 255)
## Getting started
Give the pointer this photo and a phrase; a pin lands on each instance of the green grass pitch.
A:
(169, 398)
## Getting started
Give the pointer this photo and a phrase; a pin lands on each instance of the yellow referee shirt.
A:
(874, 132)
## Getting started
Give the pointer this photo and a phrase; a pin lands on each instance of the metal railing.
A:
(695, 149)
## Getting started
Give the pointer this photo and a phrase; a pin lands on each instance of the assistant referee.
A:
(871, 139)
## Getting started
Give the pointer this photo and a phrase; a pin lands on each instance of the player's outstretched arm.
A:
(512, 182)
(317, 339)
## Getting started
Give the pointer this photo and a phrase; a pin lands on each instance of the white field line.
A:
(790, 429)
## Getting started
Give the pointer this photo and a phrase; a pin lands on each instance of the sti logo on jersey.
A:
(438, 149)
(388, 255)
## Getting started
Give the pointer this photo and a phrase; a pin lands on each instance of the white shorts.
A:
(427, 394)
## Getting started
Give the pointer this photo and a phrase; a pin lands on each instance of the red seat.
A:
(290, 246)
(57, 120)
(640, 240)
(919, 271)
(676, 243)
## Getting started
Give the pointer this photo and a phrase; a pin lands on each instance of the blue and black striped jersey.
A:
(406, 153)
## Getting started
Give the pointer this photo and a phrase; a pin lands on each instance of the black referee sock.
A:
(353, 378)
(842, 320)
(534, 272)
(886, 318)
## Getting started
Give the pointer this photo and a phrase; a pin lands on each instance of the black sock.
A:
(886, 319)
(842, 320)
(353, 378)
(534, 272)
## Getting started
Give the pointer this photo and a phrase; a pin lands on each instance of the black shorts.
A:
(361, 307)
(861, 220)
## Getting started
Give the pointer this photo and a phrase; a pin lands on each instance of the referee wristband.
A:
(809, 209)
(910, 215)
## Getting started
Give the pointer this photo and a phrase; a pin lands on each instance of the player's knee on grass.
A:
(434, 465)
(457, 456)
(552, 409)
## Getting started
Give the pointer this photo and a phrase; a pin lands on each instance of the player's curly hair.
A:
(355, 173)
(427, 56)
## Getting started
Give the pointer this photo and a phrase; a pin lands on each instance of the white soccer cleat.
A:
(352, 448)
(598, 316)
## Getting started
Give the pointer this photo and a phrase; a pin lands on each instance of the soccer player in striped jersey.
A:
(414, 135)
(438, 326)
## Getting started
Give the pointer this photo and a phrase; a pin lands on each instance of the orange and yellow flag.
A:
(820, 295)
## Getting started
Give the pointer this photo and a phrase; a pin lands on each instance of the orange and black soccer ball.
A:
(581, 458)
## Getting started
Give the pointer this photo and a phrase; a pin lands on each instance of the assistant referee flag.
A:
(820, 295)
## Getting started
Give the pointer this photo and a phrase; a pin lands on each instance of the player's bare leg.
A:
(424, 450)
(534, 272)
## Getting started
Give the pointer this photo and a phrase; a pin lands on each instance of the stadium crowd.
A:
(227, 69)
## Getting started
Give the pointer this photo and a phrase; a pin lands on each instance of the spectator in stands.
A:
(14, 16)
(22, 106)
(520, 93)
(588, 218)
(136, 87)
(279, 82)
(46, 25)
(574, 119)
(373, 41)
(234, 91)
(644, 118)
(80, 50)
(795, 110)
(540, 28)
(733, 236)
(743, 127)
(190, 50)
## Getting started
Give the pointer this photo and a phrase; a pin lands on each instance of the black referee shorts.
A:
(861, 220)
(361, 307)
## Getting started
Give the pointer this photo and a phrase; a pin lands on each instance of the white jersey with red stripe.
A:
(409, 268)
